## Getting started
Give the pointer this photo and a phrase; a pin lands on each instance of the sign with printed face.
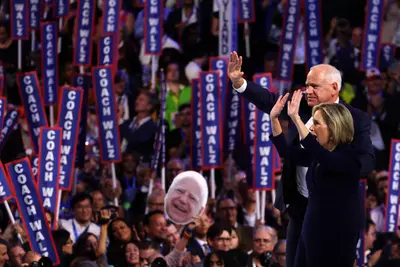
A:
(186, 197)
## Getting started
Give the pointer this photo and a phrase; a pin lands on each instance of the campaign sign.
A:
(5, 190)
(105, 49)
(34, 14)
(313, 30)
(84, 25)
(10, 121)
(48, 32)
(372, 35)
(33, 105)
(211, 126)
(228, 27)
(69, 117)
(3, 105)
(231, 120)
(392, 201)
(360, 251)
(195, 140)
(111, 21)
(263, 148)
(220, 64)
(248, 126)
(288, 40)
(30, 209)
(153, 26)
(49, 167)
(62, 8)
(82, 81)
(35, 166)
(388, 52)
(247, 11)
(110, 150)
(19, 20)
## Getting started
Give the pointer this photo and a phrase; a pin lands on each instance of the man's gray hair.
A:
(265, 228)
(332, 74)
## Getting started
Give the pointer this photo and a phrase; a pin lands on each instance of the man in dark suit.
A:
(322, 86)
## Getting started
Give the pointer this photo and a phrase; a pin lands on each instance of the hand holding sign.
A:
(186, 198)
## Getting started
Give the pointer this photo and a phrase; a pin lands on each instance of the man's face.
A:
(157, 227)
(228, 211)
(98, 200)
(17, 253)
(185, 117)
(144, 256)
(370, 237)
(183, 201)
(318, 89)
(172, 235)
(172, 73)
(3, 254)
(130, 163)
(356, 36)
(204, 222)
(174, 168)
(142, 103)
(263, 242)
(156, 202)
(374, 85)
(83, 211)
(222, 242)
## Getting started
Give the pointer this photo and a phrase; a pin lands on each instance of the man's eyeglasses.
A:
(259, 240)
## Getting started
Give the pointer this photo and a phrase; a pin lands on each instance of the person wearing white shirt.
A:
(81, 205)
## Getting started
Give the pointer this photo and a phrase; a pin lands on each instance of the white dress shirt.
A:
(69, 226)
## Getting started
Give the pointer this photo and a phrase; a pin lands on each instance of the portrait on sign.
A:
(186, 197)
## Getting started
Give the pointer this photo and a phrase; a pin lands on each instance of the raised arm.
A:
(263, 99)
(297, 155)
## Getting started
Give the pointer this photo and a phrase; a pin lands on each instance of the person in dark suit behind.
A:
(322, 86)
(334, 215)
(138, 135)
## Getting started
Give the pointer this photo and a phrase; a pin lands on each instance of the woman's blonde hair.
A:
(339, 121)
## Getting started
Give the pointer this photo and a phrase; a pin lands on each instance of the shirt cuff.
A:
(242, 88)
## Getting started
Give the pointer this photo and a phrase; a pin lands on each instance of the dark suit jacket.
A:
(195, 249)
(140, 140)
(287, 192)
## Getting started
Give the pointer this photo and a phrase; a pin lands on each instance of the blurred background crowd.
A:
(93, 232)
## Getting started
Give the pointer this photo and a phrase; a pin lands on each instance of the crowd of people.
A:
(93, 231)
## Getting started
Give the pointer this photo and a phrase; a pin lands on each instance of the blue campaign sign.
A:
(28, 85)
(196, 140)
(34, 165)
(392, 202)
(313, 31)
(62, 8)
(111, 21)
(3, 105)
(84, 26)
(106, 47)
(5, 190)
(372, 34)
(110, 150)
(247, 11)
(288, 40)
(10, 121)
(211, 123)
(34, 14)
(153, 27)
(49, 167)
(49, 39)
(69, 117)
(31, 210)
(19, 20)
